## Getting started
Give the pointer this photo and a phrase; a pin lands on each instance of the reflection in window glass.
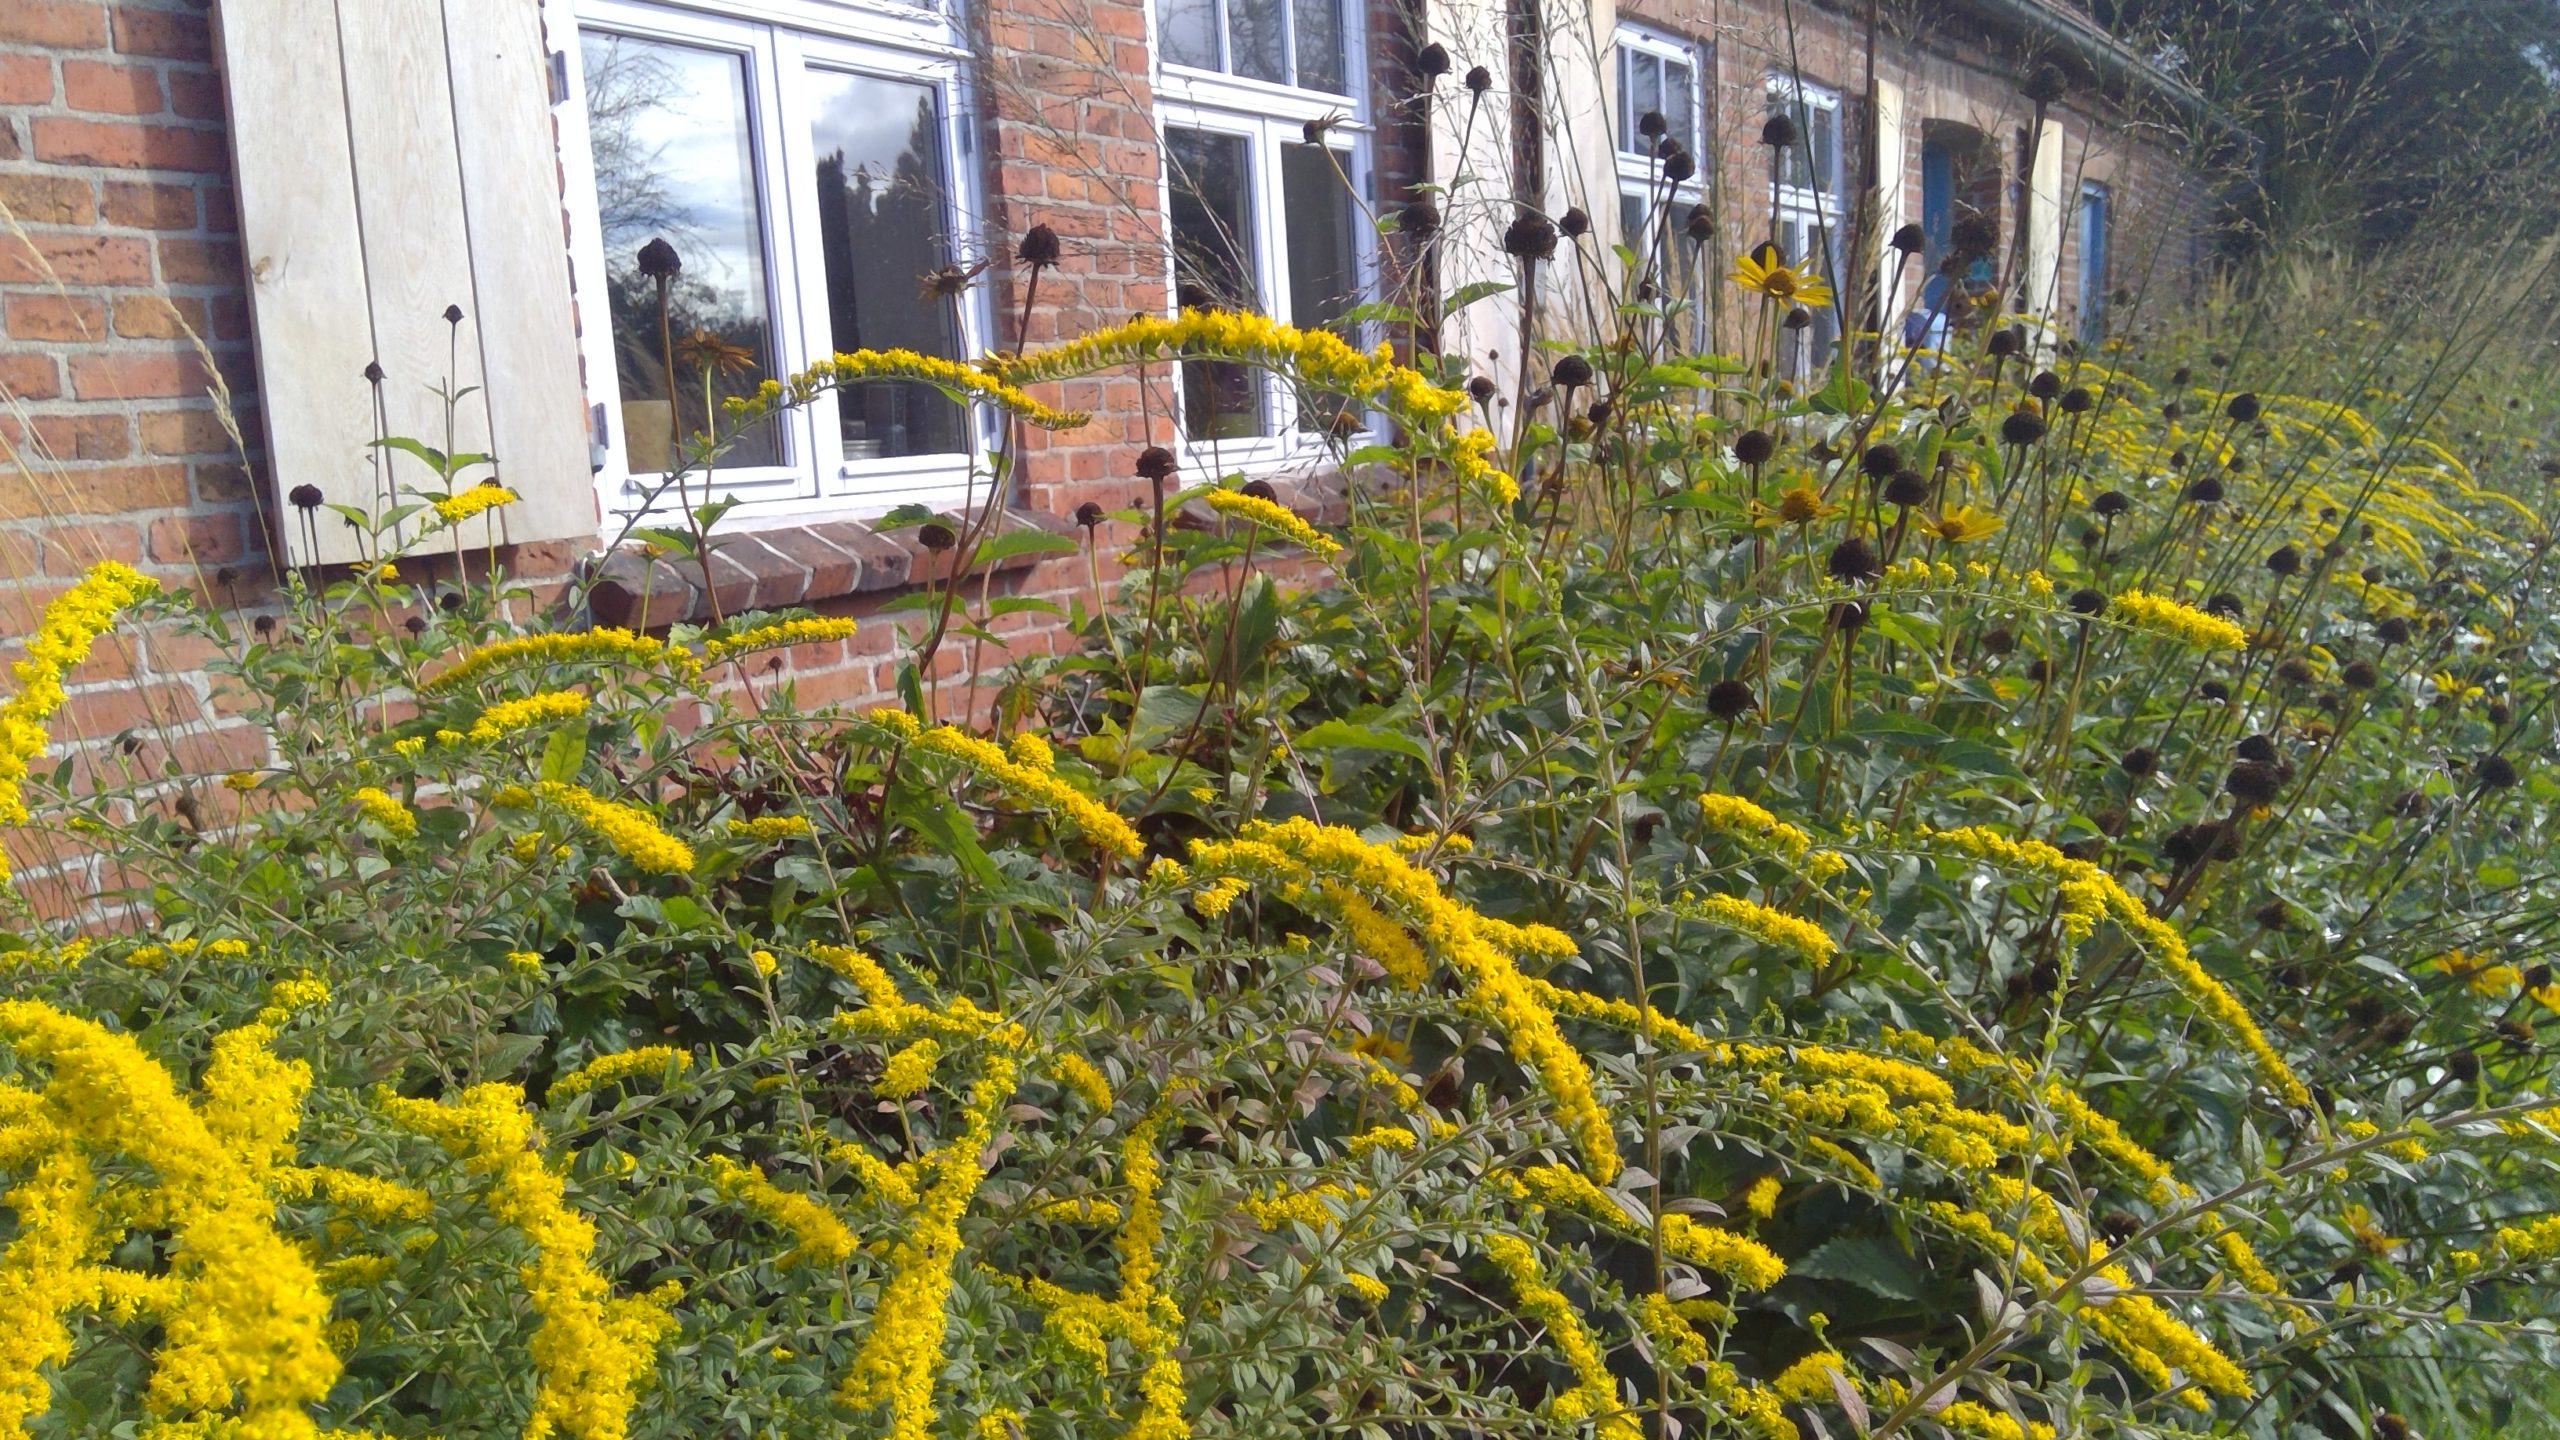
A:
(1680, 103)
(1321, 63)
(1188, 31)
(674, 161)
(1644, 96)
(1212, 217)
(1324, 256)
(880, 221)
(1258, 39)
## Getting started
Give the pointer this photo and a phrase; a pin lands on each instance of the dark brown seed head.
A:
(1571, 372)
(2078, 401)
(1907, 487)
(1089, 514)
(1778, 132)
(2141, 762)
(1701, 225)
(2022, 427)
(1530, 237)
(936, 537)
(2111, 503)
(1155, 463)
(1574, 224)
(2392, 631)
(1998, 641)
(1433, 62)
(1419, 218)
(2360, 675)
(304, 497)
(2085, 601)
(1479, 79)
(659, 260)
(1482, 389)
(1754, 447)
(2045, 385)
(2494, 772)
(1730, 700)
(2243, 407)
(1881, 461)
(2204, 490)
(2285, 560)
(2253, 784)
(1910, 240)
(1852, 560)
(1039, 248)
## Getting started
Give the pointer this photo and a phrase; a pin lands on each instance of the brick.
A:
(183, 432)
(29, 377)
(101, 714)
(142, 375)
(73, 258)
(111, 89)
(222, 483)
(200, 262)
(79, 436)
(25, 80)
(69, 550)
(164, 33)
(53, 317)
(146, 206)
(49, 199)
(55, 24)
(127, 145)
(196, 94)
(159, 317)
(99, 490)
(10, 147)
(210, 539)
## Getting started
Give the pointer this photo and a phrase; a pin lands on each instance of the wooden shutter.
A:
(395, 158)
(2044, 222)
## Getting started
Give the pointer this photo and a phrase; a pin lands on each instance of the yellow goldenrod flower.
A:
(1035, 786)
(1318, 360)
(1384, 1137)
(71, 625)
(1812, 1379)
(622, 1065)
(593, 1350)
(959, 380)
(1776, 927)
(822, 1238)
(1595, 1395)
(911, 1069)
(775, 636)
(771, 829)
(631, 831)
(394, 818)
(764, 963)
(509, 717)
(1761, 1199)
(1765, 272)
(245, 1320)
(1736, 816)
(1080, 1078)
(1369, 1288)
(463, 504)
(1746, 1262)
(2183, 623)
(1295, 855)
(606, 646)
(1279, 519)
(524, 962)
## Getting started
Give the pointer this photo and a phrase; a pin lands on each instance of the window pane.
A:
(1826, 148)
(1188, 30)
(675, 161)
(1321, 65)
(884, 220)
(1324, 259)
(1680, 103)
(1258, 39)
(1212, 214)
(1644, 95)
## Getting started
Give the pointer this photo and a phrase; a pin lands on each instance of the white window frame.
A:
(2096, 283)
(1639, 177)
(1270, 116)
(1810, 216)
(781, 41)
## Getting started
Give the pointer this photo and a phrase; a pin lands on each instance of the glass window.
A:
(1299, 43)
(1324, 255)
(1188, 31)
(675, 159)
(2095, 262)
(1213, 269)
(1644, 96)
(882, 218)
(803, 175)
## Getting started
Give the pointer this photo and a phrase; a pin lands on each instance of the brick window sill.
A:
(783, 567)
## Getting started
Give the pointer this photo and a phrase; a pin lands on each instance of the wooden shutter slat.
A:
(296, 194)
(520, 265)
(394, 158)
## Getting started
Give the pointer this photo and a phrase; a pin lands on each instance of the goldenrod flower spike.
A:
(775, 636)
(1317, 359)
(71, 625)
(593, 1350)
(244, 1318)
(2183, 623)
(1279, 519)
(957, 379)
(631, 831)
(1026, 779)
(463, 504)
(599, 647)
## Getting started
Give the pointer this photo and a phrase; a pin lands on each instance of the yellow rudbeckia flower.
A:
(1765, 271)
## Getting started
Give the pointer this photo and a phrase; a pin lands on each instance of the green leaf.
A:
(1344, 735)
(1023, 542)
(1466, 295)
(564, 752)
(1866, 1261)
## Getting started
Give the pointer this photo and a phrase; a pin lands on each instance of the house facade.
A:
(244, 238)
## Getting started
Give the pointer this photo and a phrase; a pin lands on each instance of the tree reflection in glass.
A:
(881, 217)
(674, 159)
(1213, 270)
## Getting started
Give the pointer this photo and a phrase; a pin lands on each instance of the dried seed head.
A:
(1089, 514)
(1575, 224)
(1531, 237)
(1039, 248)
(2022, 427)
(1852, 561)
(2243, 407)
(936, 537)
(2494, 772)
(1754, 447)
(1881, 461)
(659, 260)
(1479, 79)
(2205, 490)
(2111, 503)
(1433, 62)
(1910, 239)
(1155, 463)
(1730, 700)
(1778, 132)
(1701, 226)
(2045, 385)
(1571, 372)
